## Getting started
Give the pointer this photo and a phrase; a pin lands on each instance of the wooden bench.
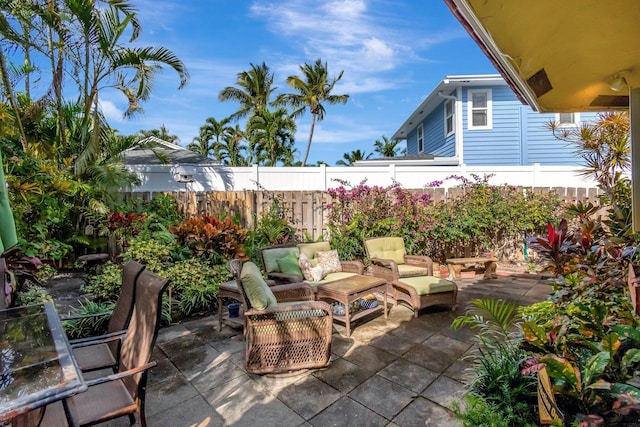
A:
(91, 261)
(455, 265)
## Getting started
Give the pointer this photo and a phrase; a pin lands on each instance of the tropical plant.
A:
(211, 238)
(271, 136)
(386, 147)
(253, 91)
(161, 133)
(312, 90)
(233, 146)
(92, 319)
(352, 157)
(211, 136)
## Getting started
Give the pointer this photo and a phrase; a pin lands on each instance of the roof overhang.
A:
(559, 56)
(446, 87)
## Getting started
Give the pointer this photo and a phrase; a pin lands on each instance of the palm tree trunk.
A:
(313, 125)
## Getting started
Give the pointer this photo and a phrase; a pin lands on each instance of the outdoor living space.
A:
(400, 371)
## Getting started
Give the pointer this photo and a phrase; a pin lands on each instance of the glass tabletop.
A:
(36, 365)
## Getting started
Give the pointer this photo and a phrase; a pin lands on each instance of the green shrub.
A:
(154, 254)
(106, 285)
(94, 324)
(32, 293)
(478, 413)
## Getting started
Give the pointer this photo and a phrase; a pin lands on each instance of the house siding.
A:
(435, 142)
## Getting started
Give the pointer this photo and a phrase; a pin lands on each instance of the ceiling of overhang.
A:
(559, 55)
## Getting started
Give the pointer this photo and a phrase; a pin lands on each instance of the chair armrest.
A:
(420, 261)
(120, 375)
(293, 292)
(352, 267)
(386, 269)
(285, 278)
(100, 339)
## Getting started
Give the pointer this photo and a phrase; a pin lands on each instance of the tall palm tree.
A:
(214, 133)
(162, 133)
(352, 157)
(386, 147)
(271, 136)
(253, 91)
(313, 89)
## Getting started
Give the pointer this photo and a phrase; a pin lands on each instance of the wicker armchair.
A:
(411, 276)
(286, 330)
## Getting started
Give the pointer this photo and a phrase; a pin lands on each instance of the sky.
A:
(392, 52)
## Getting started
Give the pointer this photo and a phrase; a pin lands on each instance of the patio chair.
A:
(286, 330)
(281, 263)
(411, 276)
(121, 393)
(92, 353)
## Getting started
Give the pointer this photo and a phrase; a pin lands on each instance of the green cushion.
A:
(310, 249)
(289, 264)
(270, 257)
(387, 248)
(425, 285)
(406, 270)
(257, 290)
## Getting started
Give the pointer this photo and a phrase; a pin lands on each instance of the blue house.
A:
(477, 120)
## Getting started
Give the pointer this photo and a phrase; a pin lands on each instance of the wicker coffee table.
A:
(349, 290)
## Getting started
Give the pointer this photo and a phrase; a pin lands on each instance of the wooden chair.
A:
(121, 393)
(411, 276)
(91, 356)
(286, 330)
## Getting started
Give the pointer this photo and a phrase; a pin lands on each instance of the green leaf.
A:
(611, 343)
(619, 388)
(595, 366)
(562, 370)
(630, 357)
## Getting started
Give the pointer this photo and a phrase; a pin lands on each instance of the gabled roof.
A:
(445, 87)
(176, 154)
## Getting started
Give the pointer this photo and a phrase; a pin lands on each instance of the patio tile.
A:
(340, 345)
(171, 333)
(193, 412)
(369, 357)
(344, 375)
(218, 371)
(413, 331)
(243, 402)
(168, 394)
(229, 345)
(422, 412)
(437, 353)
(309, 396)
(389, 404)
(393, 344)
(163, 371)
(409, 375)
(347, 412)
(444, 391)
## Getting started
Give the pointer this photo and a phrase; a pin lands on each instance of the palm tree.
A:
(271, 136)
(352, 157)
(217, 131)
(253, 91)
(386, 147)
(161, 133)
(313, 89)
(232, 147)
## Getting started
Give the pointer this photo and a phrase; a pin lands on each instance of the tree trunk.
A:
(12, 98)
(313, 125)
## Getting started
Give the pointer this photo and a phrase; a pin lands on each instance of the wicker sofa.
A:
(271, 255)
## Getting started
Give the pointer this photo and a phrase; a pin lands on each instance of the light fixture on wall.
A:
(618, 81)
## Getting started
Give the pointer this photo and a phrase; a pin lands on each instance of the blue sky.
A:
(393, 54)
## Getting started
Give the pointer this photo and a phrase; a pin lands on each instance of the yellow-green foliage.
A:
(152, 253)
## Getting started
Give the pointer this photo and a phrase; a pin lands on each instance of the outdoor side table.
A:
(36, 363)
(349, 290)
(229, 290)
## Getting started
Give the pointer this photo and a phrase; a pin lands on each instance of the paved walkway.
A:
(396, 372)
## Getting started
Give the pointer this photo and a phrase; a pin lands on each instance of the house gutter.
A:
(458, 120)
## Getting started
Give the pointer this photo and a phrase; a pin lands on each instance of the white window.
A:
(420, 132)
(480, 106)
(568, 119)
(449, 118)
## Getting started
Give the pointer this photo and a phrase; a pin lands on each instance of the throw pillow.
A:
(305, 266)
(289, 264)
(329, 260)
(318, 272)
(258, 292)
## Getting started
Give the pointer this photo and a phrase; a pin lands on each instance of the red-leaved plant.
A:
(211, 237)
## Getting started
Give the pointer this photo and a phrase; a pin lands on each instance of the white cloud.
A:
(112, 113)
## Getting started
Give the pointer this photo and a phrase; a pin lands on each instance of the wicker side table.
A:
(229, 290)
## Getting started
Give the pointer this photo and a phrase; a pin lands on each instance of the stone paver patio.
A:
(395, 372)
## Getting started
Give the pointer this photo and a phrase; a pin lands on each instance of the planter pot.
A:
(444, 271)
(634, 287)
(467, 274)
(234, 309)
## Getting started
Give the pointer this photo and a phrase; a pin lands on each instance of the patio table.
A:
(36, 362)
